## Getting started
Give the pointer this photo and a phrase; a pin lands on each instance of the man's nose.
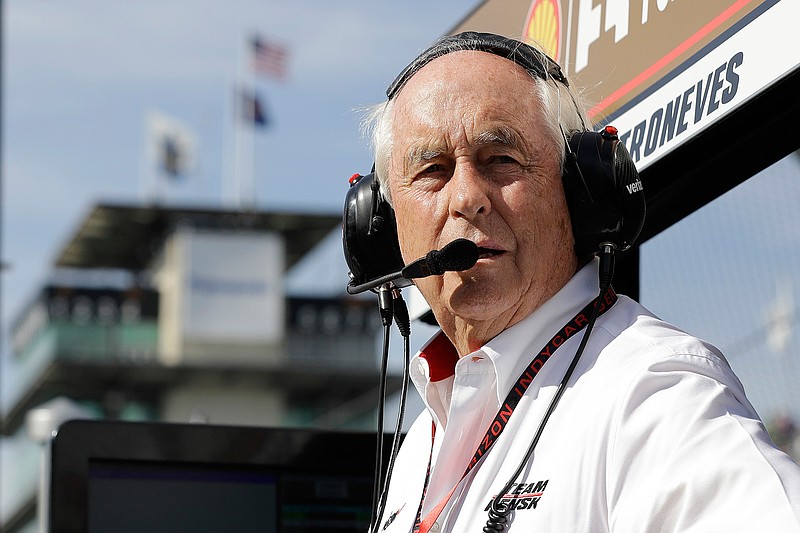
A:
(469, 193)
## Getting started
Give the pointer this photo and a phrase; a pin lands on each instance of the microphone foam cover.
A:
(461, 254)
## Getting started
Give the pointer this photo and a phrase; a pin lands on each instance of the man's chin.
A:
(477, 298)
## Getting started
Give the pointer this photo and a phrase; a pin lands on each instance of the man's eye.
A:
(430, 169)
(433, 171)
(503, 159)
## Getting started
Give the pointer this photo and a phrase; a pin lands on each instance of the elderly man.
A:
(650, 431)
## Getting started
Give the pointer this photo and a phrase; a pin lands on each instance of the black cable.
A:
(403, 324)
(386, 304)
(395, 441)
(379, 444)
(498, 513)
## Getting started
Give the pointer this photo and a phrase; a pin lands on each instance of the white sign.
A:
(233, 287)
(746, 63)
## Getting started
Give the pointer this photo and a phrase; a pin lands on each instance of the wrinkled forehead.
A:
(463, 90)
(532, 60)
(466, 102)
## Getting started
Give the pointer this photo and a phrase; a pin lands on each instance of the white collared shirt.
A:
(653, 433)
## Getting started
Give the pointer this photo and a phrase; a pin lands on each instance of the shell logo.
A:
(543, 26)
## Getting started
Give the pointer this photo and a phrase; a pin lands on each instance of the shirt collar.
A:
(512, 349)
(441, 356)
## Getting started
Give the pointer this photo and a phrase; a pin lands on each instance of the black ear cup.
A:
(604, 193)
(369, 232)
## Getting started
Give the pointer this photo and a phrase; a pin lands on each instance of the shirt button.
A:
(435, 527)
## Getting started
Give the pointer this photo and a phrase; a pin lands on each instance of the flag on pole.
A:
(171, 146)
(252, 109)
(268, 58)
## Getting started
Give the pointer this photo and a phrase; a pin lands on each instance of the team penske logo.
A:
(543, 26)
(521, 496)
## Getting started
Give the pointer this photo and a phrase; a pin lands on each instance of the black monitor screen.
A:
(131, 477)
(131, 497)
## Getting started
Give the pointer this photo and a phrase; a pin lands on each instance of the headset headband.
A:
(534, 61)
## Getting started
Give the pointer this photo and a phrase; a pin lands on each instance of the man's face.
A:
(470, 159)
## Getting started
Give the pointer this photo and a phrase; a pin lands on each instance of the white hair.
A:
(560, 105)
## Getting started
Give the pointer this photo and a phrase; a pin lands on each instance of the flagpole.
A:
(146, 174)
(151, 164)
(266, 59)
(248, 198)
(229, 124)
(244, 153)
(238, 129)
(237, 136)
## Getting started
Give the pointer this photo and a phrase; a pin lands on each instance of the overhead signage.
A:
(660, 70)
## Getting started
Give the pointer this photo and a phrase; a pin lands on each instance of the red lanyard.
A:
(575, 325)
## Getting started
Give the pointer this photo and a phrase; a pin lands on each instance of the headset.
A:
(601, 184)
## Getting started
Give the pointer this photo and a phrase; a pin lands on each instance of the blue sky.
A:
(81, 76)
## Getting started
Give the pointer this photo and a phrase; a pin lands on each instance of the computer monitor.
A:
(162, 477)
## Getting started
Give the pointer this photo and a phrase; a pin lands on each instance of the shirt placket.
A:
(473, 403)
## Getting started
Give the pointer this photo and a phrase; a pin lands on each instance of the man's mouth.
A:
(483, 253)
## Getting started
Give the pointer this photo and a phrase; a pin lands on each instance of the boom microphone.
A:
(461, 254)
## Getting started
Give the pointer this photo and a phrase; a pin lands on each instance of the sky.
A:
(81, 77)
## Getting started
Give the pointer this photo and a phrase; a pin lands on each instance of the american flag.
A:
(269, 59)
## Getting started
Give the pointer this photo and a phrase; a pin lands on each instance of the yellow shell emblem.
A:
(543, 26)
